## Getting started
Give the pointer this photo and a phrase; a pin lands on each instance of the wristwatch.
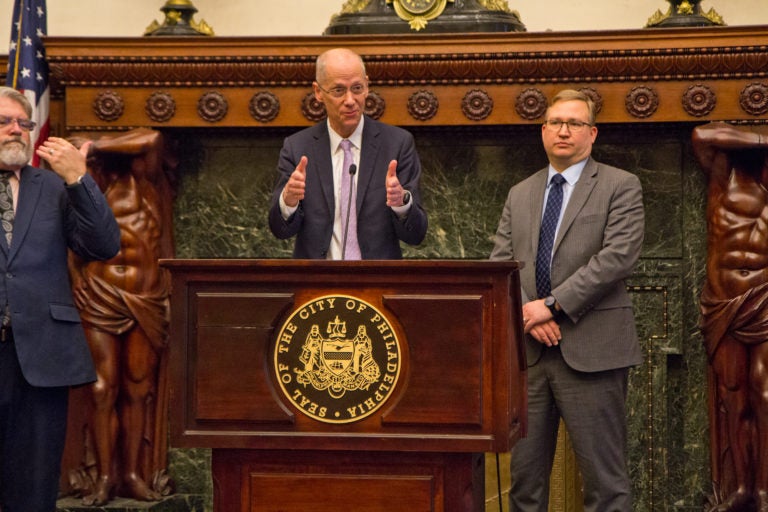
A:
(406, 197)
(554, 307)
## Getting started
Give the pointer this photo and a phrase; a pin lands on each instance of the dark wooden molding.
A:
(639, 75)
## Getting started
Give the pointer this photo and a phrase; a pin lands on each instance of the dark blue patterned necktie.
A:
(547, 236)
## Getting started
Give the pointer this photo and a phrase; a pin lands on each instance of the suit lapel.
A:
(579, 196)
(368, 159)
(537, 207)
(321, 162)
(30, 187)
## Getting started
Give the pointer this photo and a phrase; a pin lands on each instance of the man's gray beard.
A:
(15, 155)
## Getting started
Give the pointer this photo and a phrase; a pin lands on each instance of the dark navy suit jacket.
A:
(51, 218)
(379, 230)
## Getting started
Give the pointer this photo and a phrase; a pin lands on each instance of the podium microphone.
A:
(352, 172)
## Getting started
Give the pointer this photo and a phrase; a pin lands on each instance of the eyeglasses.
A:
(340, 92)
(573, 126)
(24, 124)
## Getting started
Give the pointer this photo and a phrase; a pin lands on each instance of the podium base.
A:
(333, 481)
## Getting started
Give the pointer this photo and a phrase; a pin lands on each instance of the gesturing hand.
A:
(293, 192)
(395, 191)
(65, 159)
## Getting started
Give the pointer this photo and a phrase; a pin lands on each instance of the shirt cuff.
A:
(285, 210)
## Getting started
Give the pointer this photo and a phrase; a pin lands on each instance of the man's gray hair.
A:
(13, 94)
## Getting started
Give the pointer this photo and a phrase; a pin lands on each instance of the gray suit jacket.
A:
(597, 246)
(379, 230)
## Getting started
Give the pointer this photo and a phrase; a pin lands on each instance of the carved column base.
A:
(175, 503)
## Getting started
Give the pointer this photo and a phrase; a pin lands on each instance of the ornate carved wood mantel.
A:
(649, 75)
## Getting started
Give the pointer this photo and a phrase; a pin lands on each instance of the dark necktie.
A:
(6, 205)
(6, 219)
(547, 236)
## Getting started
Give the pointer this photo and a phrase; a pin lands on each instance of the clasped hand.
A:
(538, 322)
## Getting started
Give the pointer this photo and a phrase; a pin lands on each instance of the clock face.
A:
(418, 6)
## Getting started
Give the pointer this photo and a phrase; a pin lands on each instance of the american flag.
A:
(27, 67)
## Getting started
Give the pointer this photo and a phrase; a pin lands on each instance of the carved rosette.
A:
(160, 107)
(423, 105)
(531, 104)
(477, 104)
(312, 109)
(264, 106)
(595, 96)
(699, 100)
(108, 106)
(641, 101)
(374, 105)
(754, 99)
(212, 106)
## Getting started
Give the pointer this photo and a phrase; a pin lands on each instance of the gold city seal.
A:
(337, 359)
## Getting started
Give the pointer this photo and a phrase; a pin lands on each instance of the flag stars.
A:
(27, 66)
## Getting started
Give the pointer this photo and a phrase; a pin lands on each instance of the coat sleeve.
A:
(92, 231)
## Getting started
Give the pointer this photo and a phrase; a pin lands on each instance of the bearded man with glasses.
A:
(43, 349)
(348, 187)
(578, 225)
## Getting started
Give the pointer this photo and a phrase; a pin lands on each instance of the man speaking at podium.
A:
(348, 187)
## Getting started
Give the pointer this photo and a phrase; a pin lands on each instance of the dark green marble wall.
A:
(224, 184)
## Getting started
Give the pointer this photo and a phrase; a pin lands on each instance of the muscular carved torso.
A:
(738, 235)
(137, 210)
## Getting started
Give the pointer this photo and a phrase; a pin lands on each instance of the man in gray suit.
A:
(381, 162)
(580, 331)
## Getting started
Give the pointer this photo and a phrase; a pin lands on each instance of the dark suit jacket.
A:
(51, 218)
(379, 230)
(597, 246)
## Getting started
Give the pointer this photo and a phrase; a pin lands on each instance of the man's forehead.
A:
(569, 107)
(9, 106)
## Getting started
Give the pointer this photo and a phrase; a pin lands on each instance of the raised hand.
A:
(395, 191)
(293, 192)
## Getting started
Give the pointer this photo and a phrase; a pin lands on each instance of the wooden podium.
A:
(365, 386)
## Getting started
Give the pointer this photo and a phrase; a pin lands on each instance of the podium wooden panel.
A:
(414, 442)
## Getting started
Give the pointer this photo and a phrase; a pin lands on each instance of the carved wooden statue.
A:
(734, 305)
(124, 307)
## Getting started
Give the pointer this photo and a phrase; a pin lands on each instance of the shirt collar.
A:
(571, 174)
(15, 173)
(356, 138)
